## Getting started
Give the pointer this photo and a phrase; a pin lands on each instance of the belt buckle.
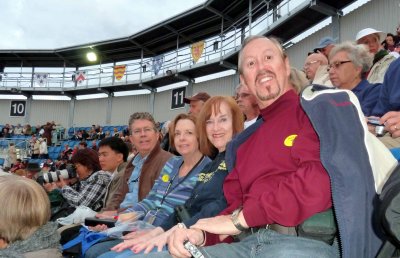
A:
(268, 226)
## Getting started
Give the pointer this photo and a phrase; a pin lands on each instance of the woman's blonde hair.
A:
(24, 207)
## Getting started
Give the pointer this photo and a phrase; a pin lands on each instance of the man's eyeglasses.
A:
(242, 95)
(337, 64)
(145, 130)
(310, 63)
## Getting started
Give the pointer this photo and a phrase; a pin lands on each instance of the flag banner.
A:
(157, 63)
(79, 76)
(41, 78)
(119, 71)
(197, 50)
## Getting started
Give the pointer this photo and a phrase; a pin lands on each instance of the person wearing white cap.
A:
(372, 38)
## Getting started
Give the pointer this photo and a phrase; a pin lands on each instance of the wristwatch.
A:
(235, 219)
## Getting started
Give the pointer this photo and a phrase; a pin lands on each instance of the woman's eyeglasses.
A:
(337, 64)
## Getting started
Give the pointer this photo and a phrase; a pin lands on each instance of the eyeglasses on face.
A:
(310, 63)
(242, 95)
(337, 64)
(145, 130)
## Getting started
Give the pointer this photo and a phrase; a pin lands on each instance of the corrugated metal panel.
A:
(220, 86)
(378, 14)
(162, 107)
(123, 107)
(90, 111)
(43, 111)
(382, 15)
(5, 118)
(298, 53)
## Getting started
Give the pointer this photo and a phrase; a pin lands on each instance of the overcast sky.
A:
(49, 24)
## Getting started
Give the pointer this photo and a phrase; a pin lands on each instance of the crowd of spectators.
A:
(277, 177)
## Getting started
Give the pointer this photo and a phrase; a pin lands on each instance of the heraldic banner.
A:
(197, 50)
(119, 71)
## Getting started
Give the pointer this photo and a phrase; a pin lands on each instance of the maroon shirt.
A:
(278, 177)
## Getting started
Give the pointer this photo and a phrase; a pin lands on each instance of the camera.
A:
(68, 172)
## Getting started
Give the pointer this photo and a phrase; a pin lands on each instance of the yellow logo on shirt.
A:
(165, 178)
(289, 140)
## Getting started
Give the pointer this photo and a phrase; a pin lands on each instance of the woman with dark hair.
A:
(92, 181)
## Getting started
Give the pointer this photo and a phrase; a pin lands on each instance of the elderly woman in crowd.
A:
(372, 39)
(92, 182)
(24, 228)
(347, 64)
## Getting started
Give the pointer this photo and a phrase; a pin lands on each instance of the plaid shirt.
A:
(91, 191)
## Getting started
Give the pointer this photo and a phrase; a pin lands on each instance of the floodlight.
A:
(91, 56)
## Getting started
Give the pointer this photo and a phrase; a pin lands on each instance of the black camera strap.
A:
(169, 189)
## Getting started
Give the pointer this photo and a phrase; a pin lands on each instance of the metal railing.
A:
(215, 48)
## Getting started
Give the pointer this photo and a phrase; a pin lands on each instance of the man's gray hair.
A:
(141, 116)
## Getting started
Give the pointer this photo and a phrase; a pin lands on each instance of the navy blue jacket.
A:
(207, 199)
(389, 96)
(367, 95)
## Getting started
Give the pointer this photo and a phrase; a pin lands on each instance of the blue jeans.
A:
(266, 244)
(101, 248)
(126, 253)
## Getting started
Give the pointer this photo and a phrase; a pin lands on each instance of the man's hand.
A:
(391, 120)
(137, 240)
(49, 187)
(180, 235)
(99, 228)
(107, 214)
(129, 216)
(221, 225)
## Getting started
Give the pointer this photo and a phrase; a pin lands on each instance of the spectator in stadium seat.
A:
(12, 154)
(196, 102)
(17, 165)
(47, 131)
(92, 185)
(18, 129)
(389, 42)
(113, 155)
(94, 145)
(348, 63)
(141, 173)
(315, 68)
(247, 103)
(24, 215)
(100, 134)
(36, 149)
(43, 152)
(372, 39)
(298, 79)
(325, 46)
(27, 130)
(115, 132)
(82, 145)
(388, 106)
